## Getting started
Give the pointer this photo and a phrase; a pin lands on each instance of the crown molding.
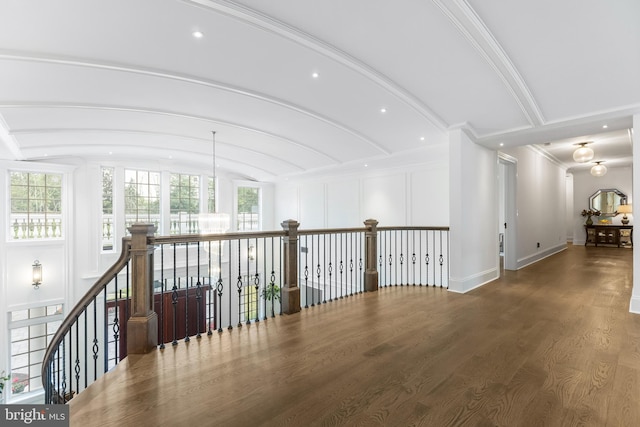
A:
(467, 21)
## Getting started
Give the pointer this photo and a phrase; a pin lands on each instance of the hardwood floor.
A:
(550, 345)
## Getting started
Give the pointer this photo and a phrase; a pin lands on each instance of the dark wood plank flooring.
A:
(550, 345)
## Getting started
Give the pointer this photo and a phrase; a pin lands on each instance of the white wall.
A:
(473, 176)
(541, 204)
(415, 195)
(585, 185)
(17, 257)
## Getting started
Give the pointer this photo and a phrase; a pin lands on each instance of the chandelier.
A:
(214, 222)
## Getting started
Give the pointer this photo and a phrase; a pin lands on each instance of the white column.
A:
(473, 213)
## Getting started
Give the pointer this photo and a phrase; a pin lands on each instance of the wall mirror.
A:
(607, 201)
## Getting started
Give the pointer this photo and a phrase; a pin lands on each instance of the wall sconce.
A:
(252, 253)
(37, 274)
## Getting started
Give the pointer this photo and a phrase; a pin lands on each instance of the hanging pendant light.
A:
(214, 222)
(598, 169)
(583, 154)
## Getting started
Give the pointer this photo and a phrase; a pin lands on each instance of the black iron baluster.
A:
(433, 234)
(310, 272)
(105, 331)
(351, 264)
(230, 327)
(273, 280)
(174, 304)
(248, 291)
(174, 299)
(256, 278)
(95, 347)
(319, 270)
(116, 323)
(324, 263)
(70, 335)
(186, 295)
(420, 256)
(219, 285)
(76, 368)
(413, 255)
(341, 265)
(264, 270)
(210, 293)
(86, 347)
(239, 285)
(426, 257)
(330, 268)
(58, 383)
(198, 293)
(280, 269)
(441, 258)
(64, 371)
(306, 273)
(198, 314)
(360, 264)
(162, 284)
(380, 259)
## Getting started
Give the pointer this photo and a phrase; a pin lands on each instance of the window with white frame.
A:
(184, 201)
(141, 197)
(211, 194)
(36, 206)
(30, 331)
(108, 231)
(248, 208)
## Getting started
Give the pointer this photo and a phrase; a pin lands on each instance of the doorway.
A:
(507, 212)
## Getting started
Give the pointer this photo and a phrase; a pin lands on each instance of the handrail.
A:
(250, 273)
(69, 320)
(194, 238)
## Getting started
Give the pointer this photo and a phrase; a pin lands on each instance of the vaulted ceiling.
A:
(295, 87)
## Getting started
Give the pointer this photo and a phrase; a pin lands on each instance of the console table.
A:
(619, 235)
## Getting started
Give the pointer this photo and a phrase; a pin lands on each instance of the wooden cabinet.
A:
(190, 315)
(618, 235)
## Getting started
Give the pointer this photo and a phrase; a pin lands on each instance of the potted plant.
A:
(3, 380)
(271, 293)
(589, 213)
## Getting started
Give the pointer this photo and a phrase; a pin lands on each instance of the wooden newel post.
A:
(290, 289)
(142, 326)
(371, 254)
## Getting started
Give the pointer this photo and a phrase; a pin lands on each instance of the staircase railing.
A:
(80, 352)
(168, 289)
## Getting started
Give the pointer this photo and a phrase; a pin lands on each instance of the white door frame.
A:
(511, 210)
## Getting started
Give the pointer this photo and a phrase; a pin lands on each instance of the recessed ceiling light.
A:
(315, 75)
(383, 110)
(422, 138)
(502, 144)
(198, 34)
(366, 165)
(110, 152)
(605, 126)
